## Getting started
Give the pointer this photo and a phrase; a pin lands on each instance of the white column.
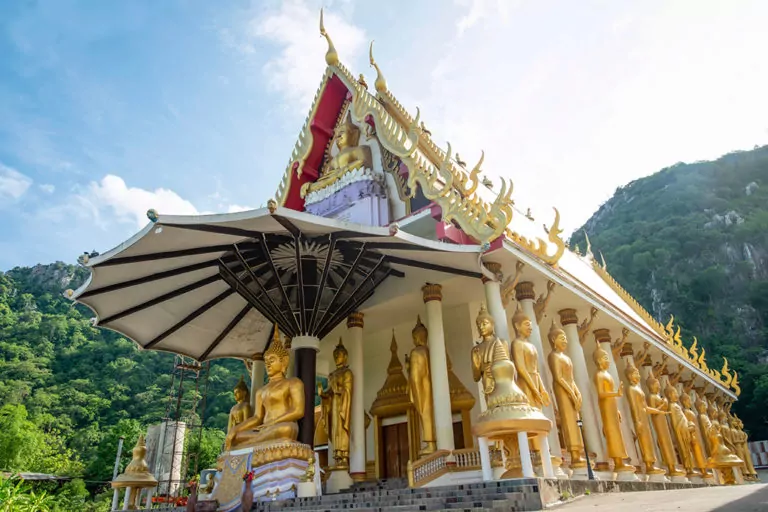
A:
(115, 499)
(357, 434)
(603, 337)
(546, 462)
(525, 455)
(257, 376)
(127, 498)
(589, 414)
(433, 299)
(525, 297)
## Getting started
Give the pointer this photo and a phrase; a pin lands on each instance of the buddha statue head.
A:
(685, 399)
(347, 134)
(340, 354)
(671, 393)
(521, 323)
(701, 406)
(419, 333)
(632, 373)
(653, 384)
(241, 390)
(557, 338)
(484, 322)
(276, 357)
(601, 359)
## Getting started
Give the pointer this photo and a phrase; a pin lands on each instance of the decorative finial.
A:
(589, 254)
(380, 84)
(152, 215)
(271, 205)
(602, 258)
(331, 56)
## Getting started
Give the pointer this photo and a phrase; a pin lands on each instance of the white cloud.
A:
(481, 9)
(296, 70)
(47, 188)
(130, 204)
(13, 184)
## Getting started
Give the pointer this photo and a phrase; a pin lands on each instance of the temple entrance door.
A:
(458, 435)
(395, 450)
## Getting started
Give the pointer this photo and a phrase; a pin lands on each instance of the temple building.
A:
(452, 338)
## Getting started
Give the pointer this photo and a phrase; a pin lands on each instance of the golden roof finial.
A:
(331, 56)
(380, 84)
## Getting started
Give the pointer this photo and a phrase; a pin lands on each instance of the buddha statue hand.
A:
(621, 389)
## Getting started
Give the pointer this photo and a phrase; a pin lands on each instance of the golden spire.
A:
(380, 84)
(331, 56)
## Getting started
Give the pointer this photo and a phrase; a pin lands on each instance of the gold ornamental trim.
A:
(431, 291)
(568, 316)
(355, 320)
(525, 291)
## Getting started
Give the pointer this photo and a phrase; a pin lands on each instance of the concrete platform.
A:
(741, 498)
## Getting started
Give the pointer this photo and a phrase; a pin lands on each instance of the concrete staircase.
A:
(395, 496)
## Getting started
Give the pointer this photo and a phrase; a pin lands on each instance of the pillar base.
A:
(338, 481)
(581, 474)
(557, 466)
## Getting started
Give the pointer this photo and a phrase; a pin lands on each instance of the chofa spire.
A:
(331, 56)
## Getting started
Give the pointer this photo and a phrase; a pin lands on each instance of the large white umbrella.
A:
(214, 286)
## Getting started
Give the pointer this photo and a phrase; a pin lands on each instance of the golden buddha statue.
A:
(641, 413)
(704, 423)
(661, 426)
(420, 387)
(608, 401)
(683, 429)
(242, 410)
(720, 456)
(350, 157)
(508, 411)
(279, 404)
(567, 395)
(338, 413)
(697, 441)
(741, 441)
(526, 359)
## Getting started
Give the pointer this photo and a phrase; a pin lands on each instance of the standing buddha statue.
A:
(242, 410)
(697, 440)
(526, 359)
(741, 440)
(567, 395)
(683, 429)
(339, 393)
(720, 456)
(420, 387)
(704, 423)
(661, 426)
(279, 404)
(608, 401)
(641, 413)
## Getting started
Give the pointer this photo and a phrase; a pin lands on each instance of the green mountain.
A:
(69, 390)
(692, 241)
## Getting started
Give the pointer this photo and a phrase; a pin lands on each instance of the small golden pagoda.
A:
(136, 475)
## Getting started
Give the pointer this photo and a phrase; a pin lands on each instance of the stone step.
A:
(433, 503)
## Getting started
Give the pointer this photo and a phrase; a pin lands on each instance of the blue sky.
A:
(186, 106)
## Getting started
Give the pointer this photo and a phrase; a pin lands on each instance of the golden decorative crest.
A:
(541, 249)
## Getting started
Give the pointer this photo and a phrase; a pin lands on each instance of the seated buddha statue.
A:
(350, 157)
(242, 410)
(279, 404)
(492, 365)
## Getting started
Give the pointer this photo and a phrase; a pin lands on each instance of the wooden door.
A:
(458, 436)
(395, 454)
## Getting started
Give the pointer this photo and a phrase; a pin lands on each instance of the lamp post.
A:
(590, 475)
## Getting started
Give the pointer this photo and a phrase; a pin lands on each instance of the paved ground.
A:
(742, 498)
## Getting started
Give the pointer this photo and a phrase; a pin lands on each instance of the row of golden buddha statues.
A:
(515, 394)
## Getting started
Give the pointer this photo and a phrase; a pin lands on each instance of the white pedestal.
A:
(695, 479)
(680, 480)
(627, 476)
(338, 481)
(603, 475)
(306, 490)
(580, 474)
(658, 477)
(710, 480)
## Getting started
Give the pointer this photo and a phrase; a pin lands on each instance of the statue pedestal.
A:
(696, 479)
(581, 473)
(627, 475)
(278, 470)
(338, 480)
(679, 479)
(306, 490)
(658, 477)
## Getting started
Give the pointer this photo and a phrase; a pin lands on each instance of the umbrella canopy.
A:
(214, 286)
